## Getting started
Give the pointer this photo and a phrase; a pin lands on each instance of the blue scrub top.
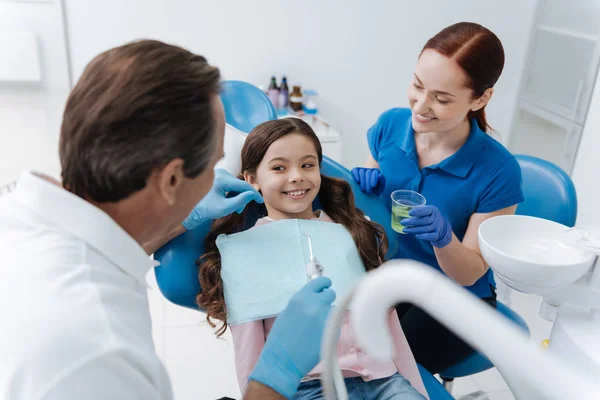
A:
(481, 177)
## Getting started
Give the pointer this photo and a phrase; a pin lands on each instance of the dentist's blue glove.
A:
(371, 180)
(293, 347)
(216, 204)
(429, 224)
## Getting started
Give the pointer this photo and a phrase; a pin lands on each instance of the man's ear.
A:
(169, 180)
(251, 179)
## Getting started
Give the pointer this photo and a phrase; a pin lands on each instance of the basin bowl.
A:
(528, 253)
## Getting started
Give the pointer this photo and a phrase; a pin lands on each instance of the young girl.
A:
(282, 160)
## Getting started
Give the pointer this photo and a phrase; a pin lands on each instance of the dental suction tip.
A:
(310, 249)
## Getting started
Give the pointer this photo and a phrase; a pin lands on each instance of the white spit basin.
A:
(528, 255)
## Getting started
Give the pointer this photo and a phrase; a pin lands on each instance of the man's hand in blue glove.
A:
(371, 180)
(216, 204)
(293, 347)
(429, 224)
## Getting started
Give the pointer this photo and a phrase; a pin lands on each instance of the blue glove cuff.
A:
(445, 236)
(282, 377)
(189, 223)
(380, 185)
(193, 220)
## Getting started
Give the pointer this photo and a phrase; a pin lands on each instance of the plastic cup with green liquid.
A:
(402, 202)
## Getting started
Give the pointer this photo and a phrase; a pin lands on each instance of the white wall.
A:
(30, 114)
(587, 169)
(359, 55)
(45, 20)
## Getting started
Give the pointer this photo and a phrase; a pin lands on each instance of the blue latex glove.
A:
(429, 224)
(371, 180)
(293, 347)
(216, 204)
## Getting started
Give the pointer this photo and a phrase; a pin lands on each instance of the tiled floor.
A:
(29, 131)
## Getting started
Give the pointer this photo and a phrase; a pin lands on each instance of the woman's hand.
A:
(370, 180)
(428, 223)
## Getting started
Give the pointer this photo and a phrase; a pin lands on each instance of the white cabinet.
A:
(558, 80)
(587, 168)
(546, 135)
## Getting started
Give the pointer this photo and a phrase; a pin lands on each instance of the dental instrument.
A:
(314, 269)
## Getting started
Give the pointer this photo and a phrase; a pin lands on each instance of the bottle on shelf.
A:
(284, 94)
(273, 92)
(296, 99)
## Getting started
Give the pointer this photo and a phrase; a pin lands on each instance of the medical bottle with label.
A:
(296, 99)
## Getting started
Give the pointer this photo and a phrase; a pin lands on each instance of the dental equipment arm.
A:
(332, 382)
(530, 372)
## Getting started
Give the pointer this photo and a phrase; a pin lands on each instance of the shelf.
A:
(547, 115)
(567, 32)
(550, 112)
(325, 132)
(536, 135)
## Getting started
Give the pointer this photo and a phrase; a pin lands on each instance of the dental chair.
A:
(177, 275)
(549, 194)
(245, 105)
(549, 191)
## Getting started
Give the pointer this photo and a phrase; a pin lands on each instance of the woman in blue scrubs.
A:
(440, 148)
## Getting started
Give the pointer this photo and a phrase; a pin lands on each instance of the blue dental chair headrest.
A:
(246, 105)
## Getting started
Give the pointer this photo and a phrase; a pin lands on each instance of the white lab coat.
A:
(73, 303)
